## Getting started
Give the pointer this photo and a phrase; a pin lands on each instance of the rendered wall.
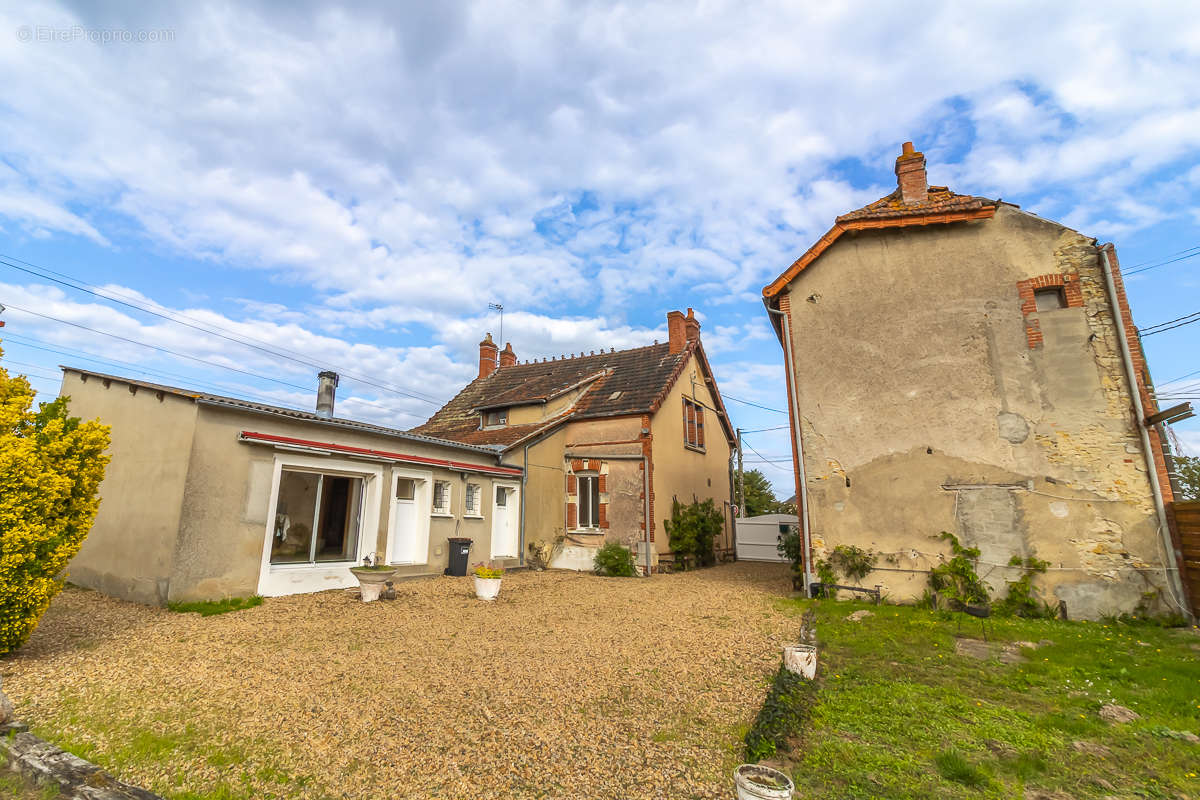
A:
(128, 552)
(683, 473)
(933, 401)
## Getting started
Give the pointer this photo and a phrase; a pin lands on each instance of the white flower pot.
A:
(487, 588)
(372, 582)
(801, 659)
(777, 786)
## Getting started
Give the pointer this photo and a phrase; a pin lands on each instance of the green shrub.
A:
(615, 561)
(783, 715)
(693, 529)
(791, 546)
(1022, 599)
(956, 580)
(852, 561)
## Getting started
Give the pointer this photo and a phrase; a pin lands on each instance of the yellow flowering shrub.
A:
(51, 466)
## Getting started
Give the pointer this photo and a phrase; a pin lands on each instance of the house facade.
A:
(209, 497)
(607, 440)
(957, 364)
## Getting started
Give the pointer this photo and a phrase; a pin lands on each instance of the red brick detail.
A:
(602, 482)
(1027, 290)
(603, 515)
(572, 515)
(577, 465)
(785, 305)
(1142, 373)
(571, 485)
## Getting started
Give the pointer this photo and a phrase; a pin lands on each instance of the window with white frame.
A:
(495, 417)
(588, 500)
(317, 517)
(474, 506)
(441, 498)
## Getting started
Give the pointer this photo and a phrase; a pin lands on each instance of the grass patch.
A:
(209, 608)
(17, 788)
(782, 716)
(954, 766)
(899, 714)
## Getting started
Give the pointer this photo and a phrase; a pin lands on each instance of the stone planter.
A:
(755, 782)
(371, 581)
(487, 588)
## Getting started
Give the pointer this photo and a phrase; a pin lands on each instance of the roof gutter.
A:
(1173, 579)
(802, 482)
(329, 448)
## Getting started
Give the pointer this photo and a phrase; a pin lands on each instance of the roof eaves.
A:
(933, 217)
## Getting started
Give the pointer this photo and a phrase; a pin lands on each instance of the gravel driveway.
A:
(567, 686)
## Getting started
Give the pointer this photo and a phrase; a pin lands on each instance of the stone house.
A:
(209, 497)
(957, 364)
(607, 440)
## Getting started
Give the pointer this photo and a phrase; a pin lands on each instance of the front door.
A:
(505, 525)
(406, 531)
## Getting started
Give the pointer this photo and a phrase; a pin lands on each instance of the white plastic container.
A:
(774, 784)
(487, 588)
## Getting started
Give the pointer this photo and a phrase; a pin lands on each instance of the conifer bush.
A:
(51, 466)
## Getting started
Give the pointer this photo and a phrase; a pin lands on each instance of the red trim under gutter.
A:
(270, 438)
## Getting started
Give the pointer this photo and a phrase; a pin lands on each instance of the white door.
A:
(406, 529)
(505, 524)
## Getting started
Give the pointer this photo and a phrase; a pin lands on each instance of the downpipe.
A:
(1164, 530)
(802, 489)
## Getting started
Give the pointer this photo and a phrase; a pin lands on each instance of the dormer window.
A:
(495, 418)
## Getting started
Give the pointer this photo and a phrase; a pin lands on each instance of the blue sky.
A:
(354, 184)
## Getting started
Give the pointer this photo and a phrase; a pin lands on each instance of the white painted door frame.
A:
(506, 521)
(418, 551)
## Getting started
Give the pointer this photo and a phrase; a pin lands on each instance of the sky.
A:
(350, 186)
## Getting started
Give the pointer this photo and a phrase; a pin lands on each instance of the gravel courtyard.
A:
(567, 686)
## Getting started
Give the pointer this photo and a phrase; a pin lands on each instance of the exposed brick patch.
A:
(1067, 283)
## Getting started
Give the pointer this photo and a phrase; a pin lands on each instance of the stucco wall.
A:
(128, 552)
(680, 471)
(223, 526)
(544, 497)
(925, 409)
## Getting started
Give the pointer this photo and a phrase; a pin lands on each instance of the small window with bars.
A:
(441, 497)
(474, 494)
(693, 424)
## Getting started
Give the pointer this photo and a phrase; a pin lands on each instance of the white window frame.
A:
(448, 509)
(580, 481)
(475, 511)
(422, 498)
(501, 418)
(276, 580)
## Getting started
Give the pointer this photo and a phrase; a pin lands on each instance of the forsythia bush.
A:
(50, 468)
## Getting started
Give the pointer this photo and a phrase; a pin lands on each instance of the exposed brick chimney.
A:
(487, 356)
(691, 326)
(507, 357)
(910, 174)
(676, 333)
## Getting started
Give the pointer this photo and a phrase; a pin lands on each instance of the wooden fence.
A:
(1186, 516)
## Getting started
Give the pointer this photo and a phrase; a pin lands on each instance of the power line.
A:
(748, 403)
(764, 430)
(163, 349)
(1191, 252)
(765, 460)
(191, 322)
(1168, 322)
(1191, 318)
(23, 341)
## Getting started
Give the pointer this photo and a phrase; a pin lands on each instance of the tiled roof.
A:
(619, 383)
(280, 411)
(940, 200)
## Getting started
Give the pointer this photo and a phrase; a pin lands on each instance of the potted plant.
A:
(487, 580)
(756, 782)
(372, 577)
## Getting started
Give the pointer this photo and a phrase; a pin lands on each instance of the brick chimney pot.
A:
(487, 356)
(910, 175)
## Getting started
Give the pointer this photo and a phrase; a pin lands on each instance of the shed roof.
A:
(280, 411)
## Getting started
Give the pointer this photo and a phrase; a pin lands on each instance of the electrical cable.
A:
(748, 403)
(203, 327)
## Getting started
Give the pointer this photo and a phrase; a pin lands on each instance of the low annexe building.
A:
(210, 497)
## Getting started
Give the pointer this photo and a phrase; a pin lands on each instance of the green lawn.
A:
(900, 715)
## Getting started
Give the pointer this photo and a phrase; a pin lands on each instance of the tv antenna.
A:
(499, 307)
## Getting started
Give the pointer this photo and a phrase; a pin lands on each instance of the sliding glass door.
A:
(317, 518)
